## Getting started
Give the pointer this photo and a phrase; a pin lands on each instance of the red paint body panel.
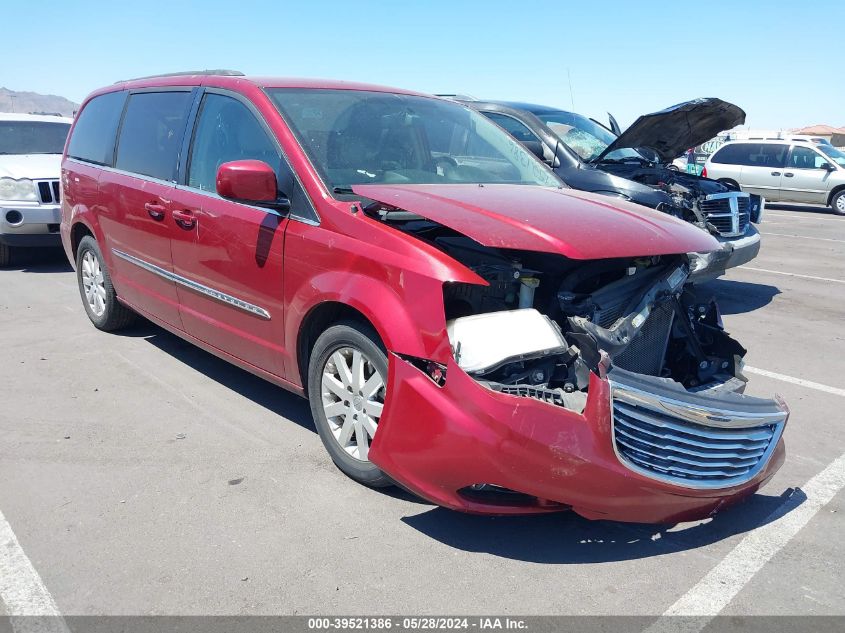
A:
(434, 440)
(128, 227)
(251, 180)
(238, 250)
(463, 433)
(575, 224)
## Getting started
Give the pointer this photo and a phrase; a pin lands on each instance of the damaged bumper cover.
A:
(643, 450)
(733, 252)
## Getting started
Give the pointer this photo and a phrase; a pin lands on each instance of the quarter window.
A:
(93, 135)
(226, 130)
(151, 135)
(805, 158)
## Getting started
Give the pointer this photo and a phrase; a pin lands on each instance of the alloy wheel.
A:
(93, 283)
(353, 399)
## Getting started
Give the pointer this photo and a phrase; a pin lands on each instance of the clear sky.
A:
(782, 62)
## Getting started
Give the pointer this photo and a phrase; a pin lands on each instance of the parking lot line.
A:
(801, 216)
(796, 381)
(780, 272)
(719, 587)
(803, 237)
(21, 589)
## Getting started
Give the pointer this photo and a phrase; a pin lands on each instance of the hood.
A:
(674, 130)
(35, 166)
(572, 223)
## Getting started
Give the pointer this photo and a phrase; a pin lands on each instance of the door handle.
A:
(789, 174)
(155, 210)
(185, 219)
(775, 173)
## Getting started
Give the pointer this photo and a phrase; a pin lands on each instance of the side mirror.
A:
(827, 167)
(250, 182)
(536, 148)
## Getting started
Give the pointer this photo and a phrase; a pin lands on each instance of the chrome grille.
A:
(48, 191)
(729, 213)
(658, 438)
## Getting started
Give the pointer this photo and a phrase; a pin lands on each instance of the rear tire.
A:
(98, 296)
(837, 202)
(347, 380)
(5, 255)
(730, 184)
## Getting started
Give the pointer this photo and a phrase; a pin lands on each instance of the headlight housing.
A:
(699, 261)
(20, 190)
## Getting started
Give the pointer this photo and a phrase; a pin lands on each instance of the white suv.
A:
(783, 171)
(30, 162)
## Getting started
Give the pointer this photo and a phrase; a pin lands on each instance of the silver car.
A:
(783, 171)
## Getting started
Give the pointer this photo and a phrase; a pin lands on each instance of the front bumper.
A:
(439, 441)
(733, 252)
(36, 226)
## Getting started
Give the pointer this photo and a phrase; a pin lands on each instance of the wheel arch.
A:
(79, 230)
(837, 189)
(412, 323)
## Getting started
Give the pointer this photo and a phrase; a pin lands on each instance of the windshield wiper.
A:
(342, 190)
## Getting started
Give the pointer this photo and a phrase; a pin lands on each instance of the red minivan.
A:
(462, 323)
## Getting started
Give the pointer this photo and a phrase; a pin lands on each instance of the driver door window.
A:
(804, 180)
(806, 158)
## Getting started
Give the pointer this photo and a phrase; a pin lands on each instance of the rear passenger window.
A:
(770, 155)
(96, 126)
(151, 134)
(752, 155)
(226, 130)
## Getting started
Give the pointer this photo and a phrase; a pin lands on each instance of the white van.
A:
(783, 171)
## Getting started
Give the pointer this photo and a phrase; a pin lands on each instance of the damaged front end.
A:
(676, 374)
(599, 373)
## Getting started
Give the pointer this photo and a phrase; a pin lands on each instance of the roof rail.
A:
(219, 71)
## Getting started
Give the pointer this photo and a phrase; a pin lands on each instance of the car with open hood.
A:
(636, 165)
(461, 322)
(30, 157)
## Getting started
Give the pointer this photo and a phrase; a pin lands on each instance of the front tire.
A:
(347, 380)
(837, 202)
(97, 292)
(5, 255)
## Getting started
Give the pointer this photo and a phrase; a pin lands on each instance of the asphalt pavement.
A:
(141, 475)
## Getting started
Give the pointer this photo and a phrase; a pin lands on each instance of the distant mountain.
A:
(34, 103)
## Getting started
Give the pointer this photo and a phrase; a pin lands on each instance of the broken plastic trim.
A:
(436, 372)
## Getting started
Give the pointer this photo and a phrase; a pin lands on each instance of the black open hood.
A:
(674, 130)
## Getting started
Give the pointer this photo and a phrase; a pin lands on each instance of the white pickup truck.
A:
(30, 161)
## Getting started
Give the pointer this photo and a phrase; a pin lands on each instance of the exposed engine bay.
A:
(545, 321)
(701, 201)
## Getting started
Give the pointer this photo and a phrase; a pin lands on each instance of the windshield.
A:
(32, 137)
(836, 155)
(359, 137)
(586, 138)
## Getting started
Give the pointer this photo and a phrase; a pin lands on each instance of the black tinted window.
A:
(731, 154)
(226, 130)
(151, 135)
(96, 125)
(752, 154)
